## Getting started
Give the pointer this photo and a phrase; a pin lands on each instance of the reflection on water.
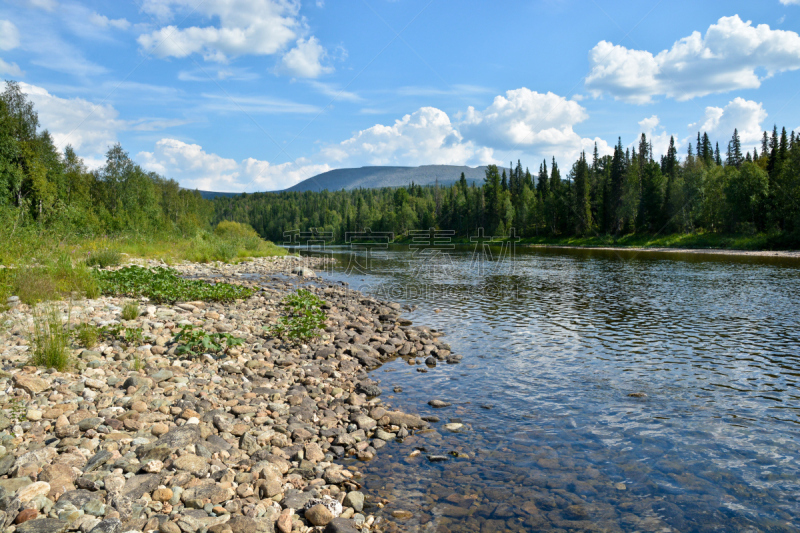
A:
(553, 343)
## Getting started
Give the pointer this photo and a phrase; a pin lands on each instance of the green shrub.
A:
(164, 285)
(103, 258)
(87, 335)
(50, 339)
(234, 230)
(305, 317)
(194, 342)
(130, 311)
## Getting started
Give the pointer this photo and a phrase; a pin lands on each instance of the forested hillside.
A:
(40, 183)
(627, 192)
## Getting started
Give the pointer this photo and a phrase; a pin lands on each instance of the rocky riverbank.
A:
(138, 438)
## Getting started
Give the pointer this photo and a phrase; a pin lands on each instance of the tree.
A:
(582, 207)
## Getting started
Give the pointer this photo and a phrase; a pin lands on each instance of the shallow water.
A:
(553, 344)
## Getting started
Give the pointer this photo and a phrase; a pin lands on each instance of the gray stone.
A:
(296, 499)
(42, 525)
(97, 460)
(109, 525)
(341, 525)
(180, 437)
(162, 375)
(136, 486)
(90, 423)
(355, 500)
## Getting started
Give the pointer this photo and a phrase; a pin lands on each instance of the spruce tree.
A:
(582, 207)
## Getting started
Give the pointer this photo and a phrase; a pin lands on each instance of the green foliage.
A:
(304, 319)
(194, 342)
(164, 285)
(50, 339)
(130, 337)
(130, 311)
(87, 335)
(104, 258)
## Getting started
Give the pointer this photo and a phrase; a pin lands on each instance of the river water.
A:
(554, 343)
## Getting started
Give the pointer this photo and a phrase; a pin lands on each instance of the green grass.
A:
(103, 258)
(50, 339)
(50, 281)
(130, 311)
(87, 335)
(164, 285)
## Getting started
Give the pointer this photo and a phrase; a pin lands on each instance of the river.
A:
(555, 342)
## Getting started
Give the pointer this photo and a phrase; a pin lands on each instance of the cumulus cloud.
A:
(195, 168)
(531, 121)
(256, 27)
(424, 137)
(89, 128)
(305, 60)
(729, 57)
(744, 115)
(790, 2)
(656, 135)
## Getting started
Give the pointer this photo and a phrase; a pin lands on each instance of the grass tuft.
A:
(87, 335)
(103, 258)
(50, 339)
(130, 311)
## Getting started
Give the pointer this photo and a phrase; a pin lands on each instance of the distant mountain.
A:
(377, 177)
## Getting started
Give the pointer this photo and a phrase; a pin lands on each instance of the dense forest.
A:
(624, 193)
(44, 187)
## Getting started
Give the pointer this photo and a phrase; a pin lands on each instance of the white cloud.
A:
(104, 22)
(9, 35)
(195, 168)
(729, 57)
(744, 115)
(12, 69)
(530, 121)
(256, 104)
(424, 137)
(9, 39)
(89, 128)
(334, 92)
(790, 2)
(257, 27)
(659, 140)
(47, 5)
(305, 60)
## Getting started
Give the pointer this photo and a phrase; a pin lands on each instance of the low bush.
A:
(194, 342)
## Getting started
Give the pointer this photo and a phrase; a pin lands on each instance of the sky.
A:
(257, 95)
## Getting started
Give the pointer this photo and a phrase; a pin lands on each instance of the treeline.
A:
(627, 192)
(42, 186)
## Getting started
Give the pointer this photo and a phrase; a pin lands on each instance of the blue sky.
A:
(250, 95)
